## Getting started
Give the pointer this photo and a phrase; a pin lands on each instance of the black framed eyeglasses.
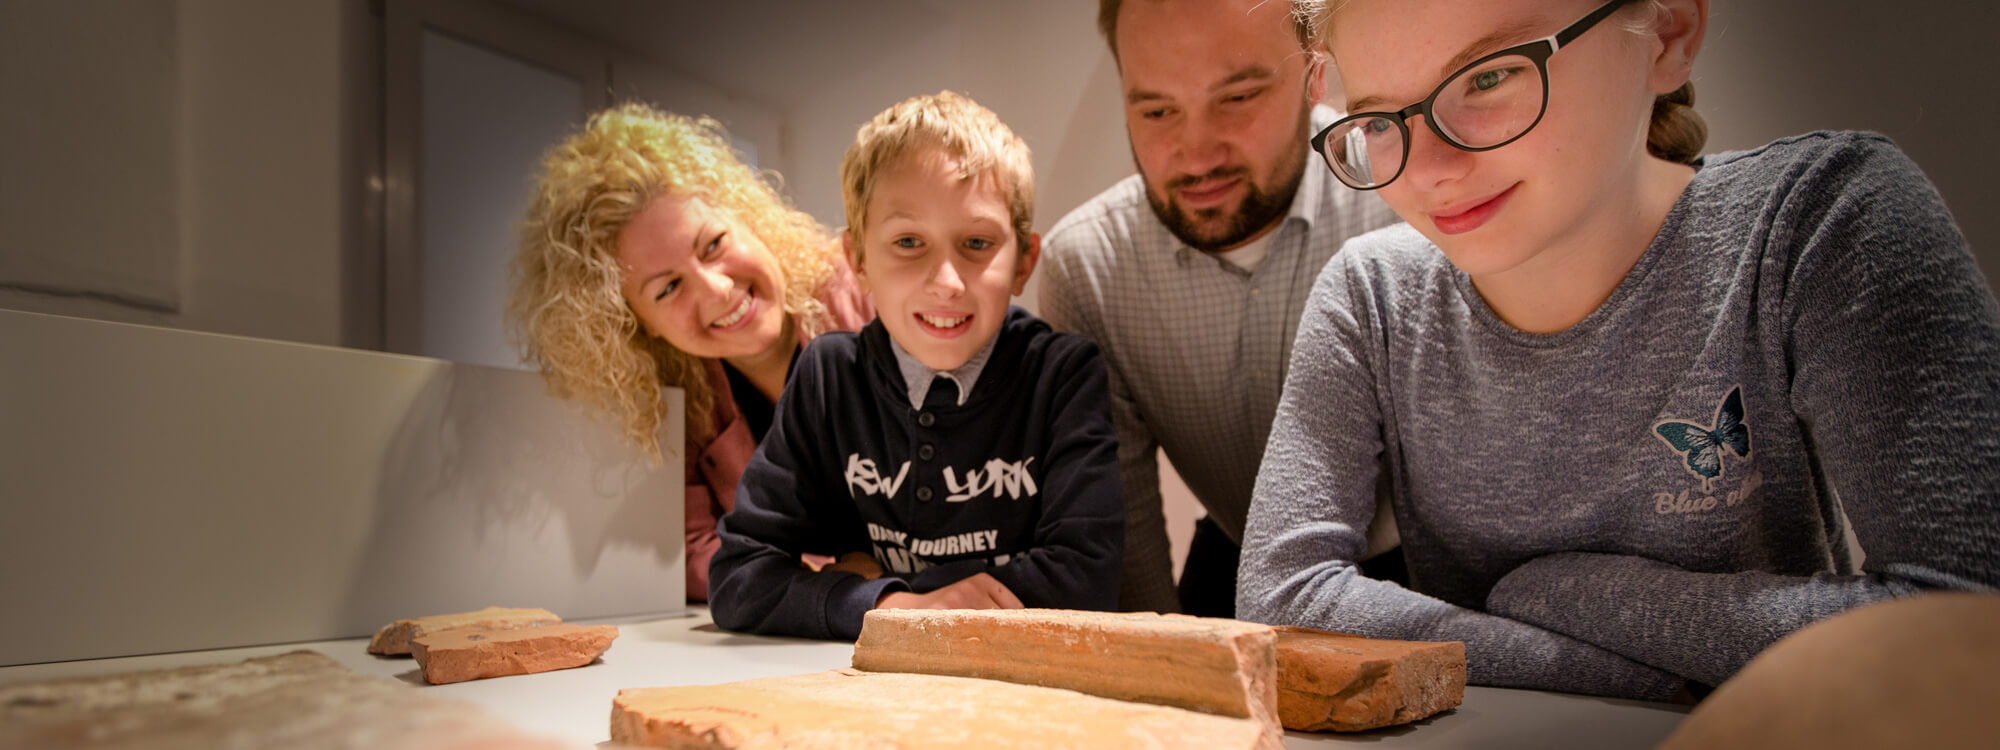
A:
(1485, 105)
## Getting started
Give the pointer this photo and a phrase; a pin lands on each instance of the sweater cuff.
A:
(851, 598)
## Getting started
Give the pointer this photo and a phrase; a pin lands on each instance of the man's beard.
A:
(1259, 208)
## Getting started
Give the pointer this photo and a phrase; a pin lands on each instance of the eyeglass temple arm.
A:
(1567, 35)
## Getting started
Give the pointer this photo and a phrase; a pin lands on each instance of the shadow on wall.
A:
(1775, 68)
(1084, 165)
(241, 492)
(493, 493)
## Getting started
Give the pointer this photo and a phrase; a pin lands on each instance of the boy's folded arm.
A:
(1079, 537)
(757, 583)
(774, 595)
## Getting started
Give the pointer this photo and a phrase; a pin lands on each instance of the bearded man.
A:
(1191, 275)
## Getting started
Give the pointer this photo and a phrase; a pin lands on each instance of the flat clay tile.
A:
(1218, 666)
(302, 700)
(850, 708)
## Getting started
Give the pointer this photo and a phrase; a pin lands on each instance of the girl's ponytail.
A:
(1677, 133)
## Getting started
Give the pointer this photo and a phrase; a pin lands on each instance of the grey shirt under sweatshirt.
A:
(1656, 493)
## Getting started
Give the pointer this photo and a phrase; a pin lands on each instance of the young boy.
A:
(956, 453)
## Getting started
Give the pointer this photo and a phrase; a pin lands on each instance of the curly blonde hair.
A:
(565, 308)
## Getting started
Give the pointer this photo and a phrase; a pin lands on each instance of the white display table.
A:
(575, 704)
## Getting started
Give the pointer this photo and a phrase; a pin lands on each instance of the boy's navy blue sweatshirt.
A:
(1020, 482)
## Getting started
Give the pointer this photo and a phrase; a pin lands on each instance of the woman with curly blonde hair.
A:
(653, 258)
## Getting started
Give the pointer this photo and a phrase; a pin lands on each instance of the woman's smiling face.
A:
(701, 280)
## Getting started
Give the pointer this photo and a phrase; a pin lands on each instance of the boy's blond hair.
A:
(954, 125)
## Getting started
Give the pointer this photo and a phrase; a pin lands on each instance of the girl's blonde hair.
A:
(565, 308)
(1677, 133)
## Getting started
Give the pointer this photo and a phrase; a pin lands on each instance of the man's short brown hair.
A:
(1107, 23)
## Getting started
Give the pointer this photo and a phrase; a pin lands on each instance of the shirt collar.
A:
(1312, 190)
(917, 376)
(1311, 195)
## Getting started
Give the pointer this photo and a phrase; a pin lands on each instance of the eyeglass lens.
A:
(1481, 107)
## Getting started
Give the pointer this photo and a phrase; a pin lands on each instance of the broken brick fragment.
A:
(458, 655)
(394, 638)
(1347, 683)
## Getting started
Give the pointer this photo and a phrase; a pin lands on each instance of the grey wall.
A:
(486, 119)
(71, 159)
(211, 170)
(1914, 70)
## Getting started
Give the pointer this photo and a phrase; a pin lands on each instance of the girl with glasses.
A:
(1629, 403)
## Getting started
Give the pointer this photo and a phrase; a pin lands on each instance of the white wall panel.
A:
(170, 490)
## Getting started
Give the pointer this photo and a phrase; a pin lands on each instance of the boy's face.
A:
(940, 257)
